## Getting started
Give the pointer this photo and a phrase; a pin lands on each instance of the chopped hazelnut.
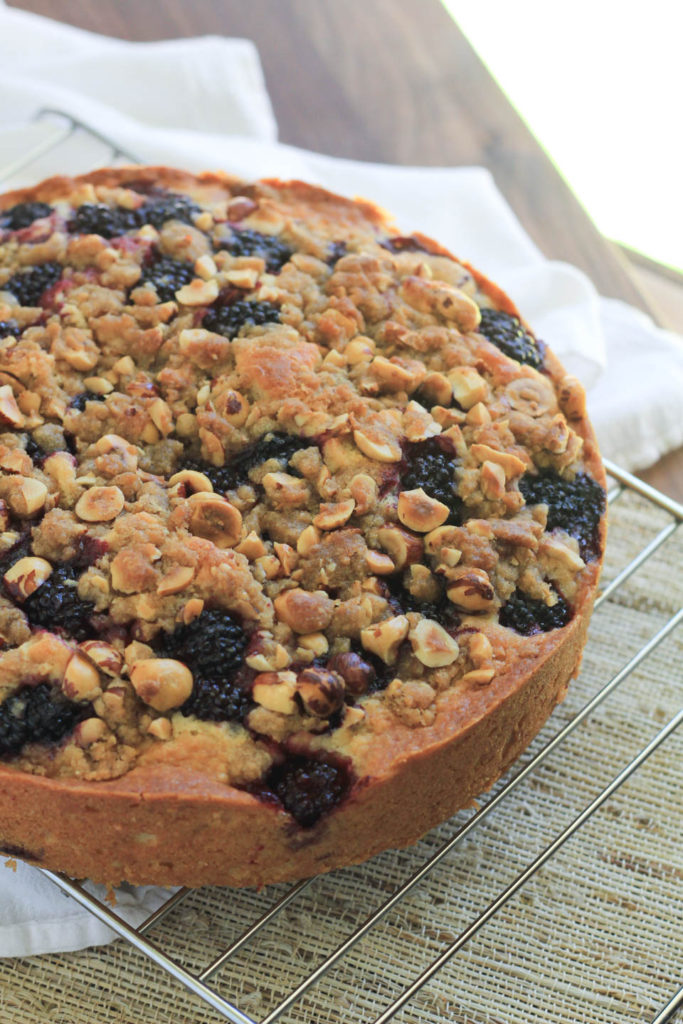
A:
(25, 496)
(572, 398)
(252, 547)
(304, 611)
(285, 490)
(215, 519)
(436, 388)
(320, 691)
(163, 683)
(90, 731)
(275, 691)
(419, 512)
(194, 481)
(160, 728)
(315, 642)
(332, 516)
(478, 676)
(9, 410)
(359, 350)
(379, 564)
(308, 538)
(379, 451)
(403, 547)
(471, 590)
(198, 292)
(287, 556)
(492, 481)
(175, 580)
(385, 638)
(26, 575)
(98, 385)
(100, 504)
(480, 649)
(432, 645)
(364, 492)
(511, 464)
(104, 656)
(469, 387)
(81, 679)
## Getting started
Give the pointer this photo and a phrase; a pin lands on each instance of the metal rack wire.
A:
(57, 130)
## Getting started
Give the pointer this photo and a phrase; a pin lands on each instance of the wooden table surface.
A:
(392, 81)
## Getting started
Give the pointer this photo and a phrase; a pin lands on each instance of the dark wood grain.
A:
(392, 81)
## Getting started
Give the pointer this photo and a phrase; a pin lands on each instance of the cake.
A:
(300, 529)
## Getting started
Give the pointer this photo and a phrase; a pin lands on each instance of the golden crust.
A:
(167, 820)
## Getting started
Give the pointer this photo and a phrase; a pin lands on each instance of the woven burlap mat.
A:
(595, 936)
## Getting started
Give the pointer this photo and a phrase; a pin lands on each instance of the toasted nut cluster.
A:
(26, 575)
(304, 611)
(385, 638)
(163, 683)
(320, 692)
(471, 590)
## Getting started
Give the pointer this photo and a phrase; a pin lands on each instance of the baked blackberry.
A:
(507, 333)
(166, 276)
(56, 606)
(336, 250)
(34, 450)
(212, 647)
(9, 329)
(158, 210)
(527, 615)
(78, 403)
(23, 215)
(244, 242)
(37, 714)
(308, 788)
(30, 285)
(576, 506)
(430, 464)
(217, 700)
(236, 472)
(442, 610)
(103, 220)
(228, 319)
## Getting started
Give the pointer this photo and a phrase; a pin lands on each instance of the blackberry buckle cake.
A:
(300, 529)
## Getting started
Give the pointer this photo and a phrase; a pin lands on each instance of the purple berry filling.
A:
(37, 714)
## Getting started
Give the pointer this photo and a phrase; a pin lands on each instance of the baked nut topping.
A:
(290, 505)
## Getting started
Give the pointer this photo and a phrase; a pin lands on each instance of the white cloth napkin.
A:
(202, 104)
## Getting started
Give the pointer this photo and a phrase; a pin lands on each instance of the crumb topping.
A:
(270, 472)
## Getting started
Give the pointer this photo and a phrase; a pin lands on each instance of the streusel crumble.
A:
(300, 527)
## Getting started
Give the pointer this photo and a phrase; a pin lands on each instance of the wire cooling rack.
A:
(51, 135)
